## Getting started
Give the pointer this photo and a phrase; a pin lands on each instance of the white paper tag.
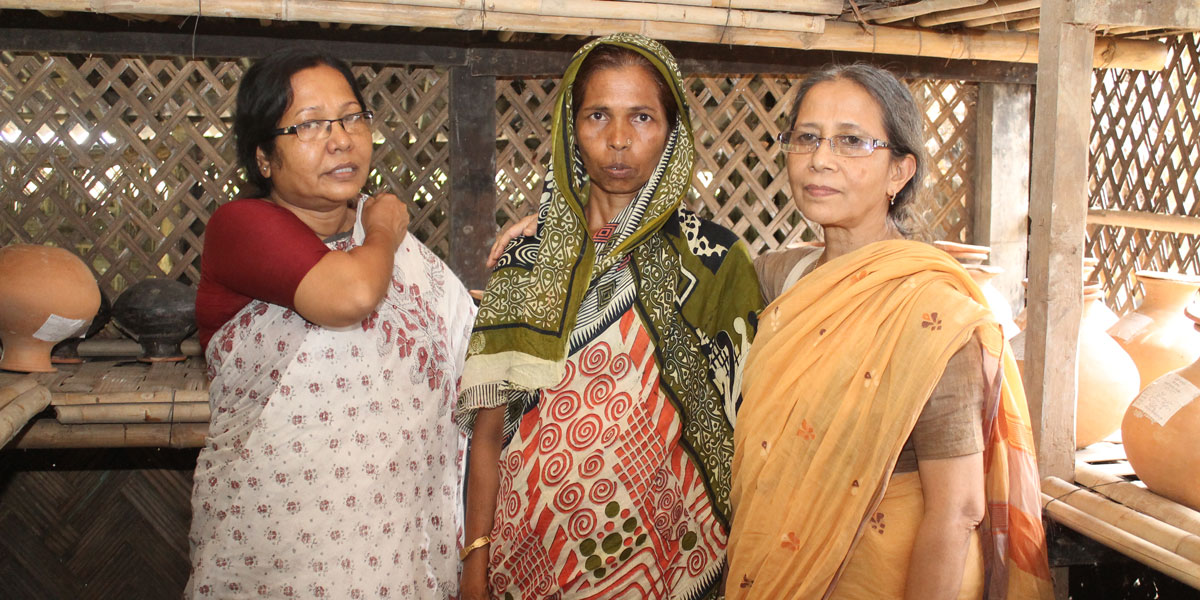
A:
(1163, 398)
(58, 328)
(1129, 326)
(1018, 346)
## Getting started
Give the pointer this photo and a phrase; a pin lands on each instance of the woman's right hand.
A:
(524, 227)
(388, 213)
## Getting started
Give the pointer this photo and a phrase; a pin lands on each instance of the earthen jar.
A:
(46, 295)
(1161, 432)
(159, 314)
(1108, 379)
(983, 275)
(1158, 335)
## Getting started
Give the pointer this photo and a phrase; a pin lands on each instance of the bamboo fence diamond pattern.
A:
(1145, 157)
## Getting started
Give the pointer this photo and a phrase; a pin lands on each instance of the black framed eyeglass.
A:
(841, 145)
(319, 129)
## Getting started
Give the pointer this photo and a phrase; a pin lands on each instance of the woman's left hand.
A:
(524, 227)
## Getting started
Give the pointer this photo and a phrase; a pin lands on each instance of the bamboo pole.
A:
(1145, 220)
(48, 433)
(1002, 18)
(22, 408)
(11, 391)
(1140, 499)
(163, 397)
(838, 35)
(99, 348)
(997, 7)
(1027, 25)
(916, 9)
(812, 7)
(1161, 534)
(177, 412)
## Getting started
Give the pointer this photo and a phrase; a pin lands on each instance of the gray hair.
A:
(902, 125)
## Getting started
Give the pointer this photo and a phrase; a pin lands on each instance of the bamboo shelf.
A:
(1108, 504)
(116, 403)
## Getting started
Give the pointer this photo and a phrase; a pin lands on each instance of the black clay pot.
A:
(159, 314)
(67, 351)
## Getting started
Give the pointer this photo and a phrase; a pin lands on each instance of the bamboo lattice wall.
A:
(740, 179)
(1145, 147)
(123, 159)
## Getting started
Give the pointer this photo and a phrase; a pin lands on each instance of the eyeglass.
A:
(841, 145)
(319, 129)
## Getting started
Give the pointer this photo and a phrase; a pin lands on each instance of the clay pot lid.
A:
(1165, 276)
(1093, 290)
(964, 252)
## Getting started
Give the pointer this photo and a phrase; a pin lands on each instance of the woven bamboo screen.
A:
(122, 160)
(741, 180)
(1145, 149)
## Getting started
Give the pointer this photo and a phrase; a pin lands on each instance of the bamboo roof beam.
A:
(916, 9)
(1002, 18)
(991, 9)
(838, 35)
(1032, 24)
(812, 7)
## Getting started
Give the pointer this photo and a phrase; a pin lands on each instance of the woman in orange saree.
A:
(867, 339)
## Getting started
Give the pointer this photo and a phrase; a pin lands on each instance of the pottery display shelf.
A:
(1108, 504)
(111, 403)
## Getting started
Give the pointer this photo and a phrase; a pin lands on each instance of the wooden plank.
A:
(990, 9)
(1150, 14)
(549, 60)
(1058, 206)
(472, 174)
(816, 7)
(892, 14)
(1145, 220)
(1001, 208)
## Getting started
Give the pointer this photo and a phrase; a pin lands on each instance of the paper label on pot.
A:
(1129, 326)
(1163, 398)
(58, 328)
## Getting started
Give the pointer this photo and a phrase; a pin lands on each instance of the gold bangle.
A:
(479, 542)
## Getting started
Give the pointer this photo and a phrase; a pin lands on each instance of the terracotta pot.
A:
(1108, 378)
(1161, 432)
(67, 351)
(46, 295)
(159, 314)
(1104, 316)
(965, 253)
(983, 275)
(1158, 335)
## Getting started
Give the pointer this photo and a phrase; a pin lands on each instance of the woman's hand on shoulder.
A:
(386, 213)
(525, 227)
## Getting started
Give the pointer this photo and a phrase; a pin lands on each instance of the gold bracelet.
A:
(479, 542)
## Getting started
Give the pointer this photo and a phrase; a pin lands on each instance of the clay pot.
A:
(983, 275)
(159, 314)
(1161, 432)
(46, 295)
(67, 351)
(1158, 335)
(1108, 379)
(966, 254)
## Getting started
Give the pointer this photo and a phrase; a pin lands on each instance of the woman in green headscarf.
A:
(603, 374)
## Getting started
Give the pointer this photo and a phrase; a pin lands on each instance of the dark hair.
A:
(609, 56)
(902, 124)
(264, 94)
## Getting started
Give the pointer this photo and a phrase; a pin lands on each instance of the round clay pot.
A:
(966, 254)
(67, 351)
(1108, 378)
(159, 314)
(1160, 432)
(46, 295)
(983, 275)
(1158, 335)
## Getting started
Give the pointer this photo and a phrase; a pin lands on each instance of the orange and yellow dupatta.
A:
(841, 368)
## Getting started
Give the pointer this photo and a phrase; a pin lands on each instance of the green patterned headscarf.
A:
(689, 303)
